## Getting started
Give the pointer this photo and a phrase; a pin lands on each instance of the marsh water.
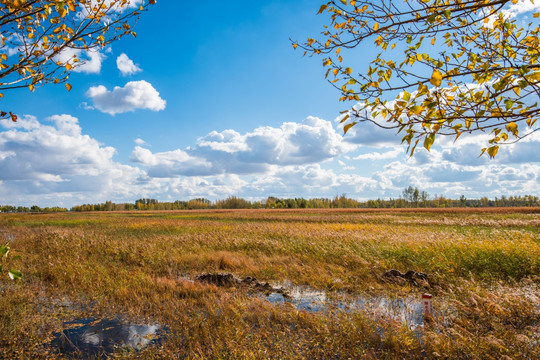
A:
(90, 338)
(407, 310)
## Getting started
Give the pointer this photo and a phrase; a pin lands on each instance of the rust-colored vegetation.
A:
(482, 267)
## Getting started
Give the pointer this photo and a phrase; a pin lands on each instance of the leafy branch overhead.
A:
(444, 68)
(42, 40)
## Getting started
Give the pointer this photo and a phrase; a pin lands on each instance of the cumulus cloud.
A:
(134, 95)
(374, 156)
(371, 135)
(55, 160)
(229, 152)
(126, 65)
(522, 6)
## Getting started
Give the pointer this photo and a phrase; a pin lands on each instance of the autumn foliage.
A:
(42, 41)
(443, 67)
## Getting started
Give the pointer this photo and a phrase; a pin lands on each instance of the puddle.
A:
(89, 338)
(407, 310)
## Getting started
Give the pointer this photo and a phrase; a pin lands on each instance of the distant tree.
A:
(199, 203)
(445, 67)
(41, 40)
(424, 196)
(233, 202)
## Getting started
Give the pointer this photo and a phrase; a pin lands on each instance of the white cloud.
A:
(126, 65)
(523, 6)
(374, 156)
(54, 160)
(229, 152)
(368, 134)
(134, 95)
(89, 60)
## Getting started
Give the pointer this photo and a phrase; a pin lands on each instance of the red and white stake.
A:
(427, 304)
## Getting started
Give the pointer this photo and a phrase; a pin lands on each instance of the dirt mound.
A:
(415, 278)
(229, 280)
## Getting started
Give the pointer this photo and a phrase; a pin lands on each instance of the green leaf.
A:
(406, 96)
(15, 275)
(430, 139)
(4, 250)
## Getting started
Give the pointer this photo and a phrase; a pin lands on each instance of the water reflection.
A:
(407, 310)
(88, 338)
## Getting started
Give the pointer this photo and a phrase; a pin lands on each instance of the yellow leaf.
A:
(295, 45)
(517, 90)
(492, 151)
(322, 8)
(348, 126)
(436, 78)
(71, 6)
(376, 27)
(513, 128)
(68, 66)
(31, 87)
(68, 87)
(534, 76)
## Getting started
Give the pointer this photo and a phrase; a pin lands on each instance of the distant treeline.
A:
(411, 198)
(33, 208)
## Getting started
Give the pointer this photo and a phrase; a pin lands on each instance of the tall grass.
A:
(484, 270)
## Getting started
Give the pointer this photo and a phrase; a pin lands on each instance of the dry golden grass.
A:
(484, 269)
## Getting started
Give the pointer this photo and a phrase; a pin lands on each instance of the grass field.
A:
(483, 270)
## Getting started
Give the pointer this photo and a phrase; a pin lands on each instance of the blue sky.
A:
(222, 105)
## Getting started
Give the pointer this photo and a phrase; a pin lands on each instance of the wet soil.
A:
(229, 280)
(412, 277)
